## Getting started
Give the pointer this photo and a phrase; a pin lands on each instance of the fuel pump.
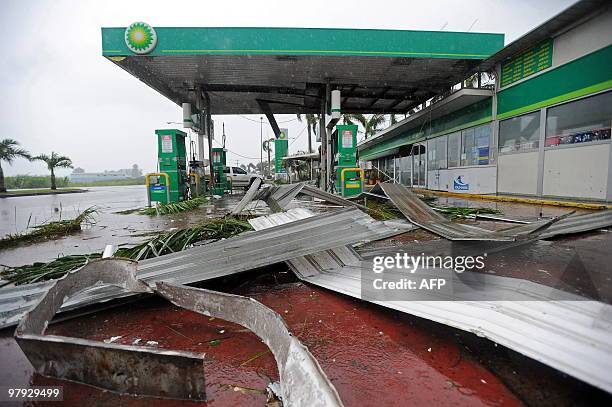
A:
(349, 177)
(219, 177)
(171, 182)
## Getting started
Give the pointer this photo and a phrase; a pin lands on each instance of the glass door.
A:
(419, 159)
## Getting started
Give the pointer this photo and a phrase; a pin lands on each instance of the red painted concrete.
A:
(373, 356)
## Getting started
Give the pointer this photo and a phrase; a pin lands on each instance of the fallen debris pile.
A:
(246, 251)
(148, 371)
(174, 207)
(565, 331)
(164, 243)
(51, 230)
(454, 212)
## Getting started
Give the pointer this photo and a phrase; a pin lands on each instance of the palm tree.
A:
(267, 147)
(393, 118)
(311, 123)
(9, 150)
(54, 161)
(370, 124)
(297, 167)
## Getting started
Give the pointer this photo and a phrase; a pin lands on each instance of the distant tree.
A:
(244, 167)
(78, 170)
(299, 168)
(311, 126)
(9, 150)
(267, 146)
(54, 161)
(393, 119)
(370, 124)
(136, 172)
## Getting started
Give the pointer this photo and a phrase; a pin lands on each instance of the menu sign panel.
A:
(529, 62)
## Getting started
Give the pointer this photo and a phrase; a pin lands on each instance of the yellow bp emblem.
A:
(140, 38)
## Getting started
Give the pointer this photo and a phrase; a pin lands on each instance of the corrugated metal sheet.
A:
(574, 337)
(278, 197)
(331, 198)
(281, 218)
(421, 214)
(245, 252)
(248, 197)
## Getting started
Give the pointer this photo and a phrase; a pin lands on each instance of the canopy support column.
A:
(323, 132)
(201, 129)
(206, 131)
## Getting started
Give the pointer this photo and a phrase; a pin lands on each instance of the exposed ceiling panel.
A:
(378, 71)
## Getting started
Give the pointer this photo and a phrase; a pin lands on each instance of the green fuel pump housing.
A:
(172, 160)
(348, 182)
(219, 177)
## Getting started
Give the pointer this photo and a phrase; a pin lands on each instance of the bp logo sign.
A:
(283, 134)
(140, 38)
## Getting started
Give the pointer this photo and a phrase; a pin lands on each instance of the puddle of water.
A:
(110, 228)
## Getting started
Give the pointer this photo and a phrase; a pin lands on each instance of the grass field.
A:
(110, 183)
(39, 191)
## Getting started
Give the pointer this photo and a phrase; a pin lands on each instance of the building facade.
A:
(541, 129)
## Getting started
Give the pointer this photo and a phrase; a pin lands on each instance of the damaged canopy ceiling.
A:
(377, 71)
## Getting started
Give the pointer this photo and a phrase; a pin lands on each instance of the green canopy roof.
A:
(387, 71)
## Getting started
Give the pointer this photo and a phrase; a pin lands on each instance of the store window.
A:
(436, 153)
(519, 133)
(454, 145)
(475, 144)
(581, 121)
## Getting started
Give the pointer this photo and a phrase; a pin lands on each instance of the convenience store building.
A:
(540, 128)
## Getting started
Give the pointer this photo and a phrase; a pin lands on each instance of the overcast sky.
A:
(60, 94)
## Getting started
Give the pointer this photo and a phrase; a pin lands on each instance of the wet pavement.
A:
(111, 227)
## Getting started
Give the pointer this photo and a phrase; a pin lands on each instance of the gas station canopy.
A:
(288, 69)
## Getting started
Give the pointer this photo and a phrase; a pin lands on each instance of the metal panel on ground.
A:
(331, 198)
(245, 252)
(248, 197)
(121, 368)
(421, 214)
(281, 218)
(572, 336)
(280, 196)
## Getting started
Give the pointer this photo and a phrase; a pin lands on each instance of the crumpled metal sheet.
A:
(115, 367)
(303, 382)
(328, 197)
(248, 197)
(421, 214)
(573, 336)
(278, 197)
(156, 372)
(248, 251)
